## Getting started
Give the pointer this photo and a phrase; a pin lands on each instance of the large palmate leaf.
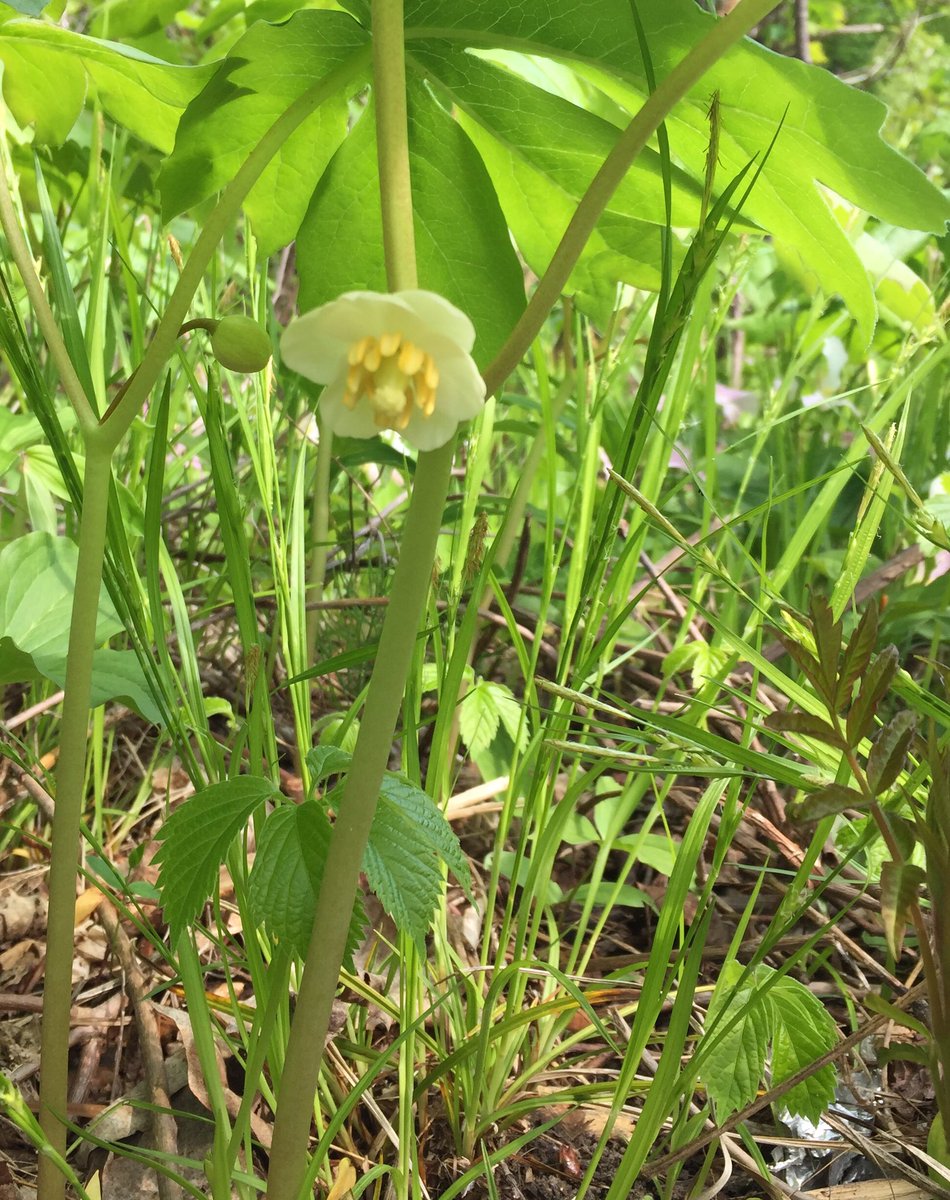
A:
(266, 70)
(542, 153)
(47, 71)
(830, 135)
(462, 243)
(37, 582)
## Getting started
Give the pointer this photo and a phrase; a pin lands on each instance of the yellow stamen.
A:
(357, 350)
(411, 358)
(394, 375)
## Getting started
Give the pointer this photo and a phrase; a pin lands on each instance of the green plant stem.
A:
(288, 1156)
(40, 305)
(721, 37)
(319, 537)
(100, 440)
(351, 829)
(392, 142)
(932, 976)
(70, 776)
(225, 213)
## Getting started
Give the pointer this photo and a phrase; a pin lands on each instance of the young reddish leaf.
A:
(807, 725)
(905, 833)
(857, 656)
(876, 682)
(900, 883)
(889, 752)
(806, 663)
(826, 801)
(827, 643)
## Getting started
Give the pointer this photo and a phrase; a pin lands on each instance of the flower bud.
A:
(241, 345)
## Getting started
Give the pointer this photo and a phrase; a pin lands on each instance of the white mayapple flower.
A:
(399, 360)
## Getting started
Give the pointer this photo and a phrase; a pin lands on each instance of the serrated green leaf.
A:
(463, 248)
(511, 712)
(886, 760)
(803, 659)
(900, 884)
(827, 644)
(143, 93)
(857, 655)
(734, 1064)
(479, 717)
(409, 840)
(765, 1012)
(825, 801)
(195, 841)
(265, 71)
(285, 878)
(802, 1032)
(324, 761)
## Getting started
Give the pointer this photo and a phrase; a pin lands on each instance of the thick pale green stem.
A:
(70, 775)
(721, 37)
(288, 1156)
(392, 141)
(100, 442)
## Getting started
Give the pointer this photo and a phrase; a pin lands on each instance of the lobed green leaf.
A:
(265, 72)
(195, 842)
(142, 93)
(285, 879)
(463, 248)
(37, 581)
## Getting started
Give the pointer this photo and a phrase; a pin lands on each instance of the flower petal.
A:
(314, 343)
(461, 391)
(428, 433)
(357, 422)
(441, 317)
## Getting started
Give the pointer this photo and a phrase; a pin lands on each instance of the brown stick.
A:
(163, 1128)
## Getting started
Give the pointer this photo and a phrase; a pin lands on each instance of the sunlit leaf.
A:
(265, 71)
(141, 92)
